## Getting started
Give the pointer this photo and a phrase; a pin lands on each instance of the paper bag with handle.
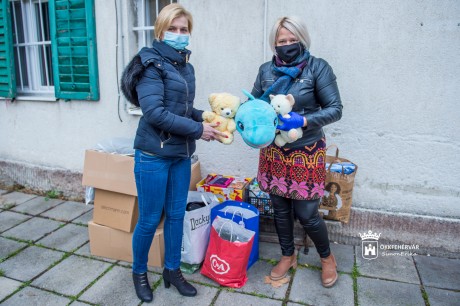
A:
(340, 178)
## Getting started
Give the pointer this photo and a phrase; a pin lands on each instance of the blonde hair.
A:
(294, 25)
(167, 15)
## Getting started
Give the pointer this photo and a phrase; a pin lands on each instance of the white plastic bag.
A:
(89, 195)
(197, 225)
(118, 145)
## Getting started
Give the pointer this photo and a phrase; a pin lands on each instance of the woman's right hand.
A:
(210, 133)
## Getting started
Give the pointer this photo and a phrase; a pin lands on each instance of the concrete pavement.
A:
(45, 260)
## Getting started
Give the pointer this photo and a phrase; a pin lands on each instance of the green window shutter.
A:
(73, 43)
(7, 71)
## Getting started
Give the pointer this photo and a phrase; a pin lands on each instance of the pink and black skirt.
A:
(297, 173)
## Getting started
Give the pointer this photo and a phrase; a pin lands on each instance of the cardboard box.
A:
(236, 194)
(115, 172)
(196, 175)
(115, 244)
(112, 172)
(116, 210)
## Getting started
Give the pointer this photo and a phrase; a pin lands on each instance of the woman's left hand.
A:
(296, 121)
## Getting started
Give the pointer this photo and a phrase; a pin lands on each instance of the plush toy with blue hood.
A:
(256, 121)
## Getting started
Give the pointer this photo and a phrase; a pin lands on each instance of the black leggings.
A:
(308, 215)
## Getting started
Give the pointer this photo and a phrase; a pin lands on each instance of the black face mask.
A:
(289, 53)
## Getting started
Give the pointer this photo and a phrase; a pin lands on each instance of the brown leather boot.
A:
(280, 270)
(329, 274)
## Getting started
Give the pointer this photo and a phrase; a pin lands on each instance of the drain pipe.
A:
(265, 29)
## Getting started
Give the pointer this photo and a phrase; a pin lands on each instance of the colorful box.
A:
(235, 191)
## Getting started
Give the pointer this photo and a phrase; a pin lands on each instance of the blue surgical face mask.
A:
(177, 41)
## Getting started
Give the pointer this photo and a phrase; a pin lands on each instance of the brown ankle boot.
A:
(329, 274)
(280, 270)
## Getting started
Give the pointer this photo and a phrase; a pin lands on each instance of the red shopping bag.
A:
(226, 258)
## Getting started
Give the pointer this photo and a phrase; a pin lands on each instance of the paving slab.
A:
(269, 250)
(170, 296)
(398, 268)
(32, 229)
(307, 288)
(440, 297)
(14, 198)
(85, 218)
(85, 251)
(29, 263)
(9, 246)
(67, 211)
(8, 286)
(127, 264)
(78, 303)
(200, 278)
(2, 191)
(256, 284)
(37, 205)
(377, 292)
(439, 272)
(232, 298)
(149, 268)
(35, 297)
(108, 291)
(72, 275)
(344, 256)
(8, 219)
(66, 238)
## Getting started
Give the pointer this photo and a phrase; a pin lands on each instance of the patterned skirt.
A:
(297, 173)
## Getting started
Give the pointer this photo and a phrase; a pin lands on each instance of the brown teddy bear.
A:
(224, 107)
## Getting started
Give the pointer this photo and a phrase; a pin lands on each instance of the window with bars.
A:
(147, 12)
(32, 47)
(48, 48)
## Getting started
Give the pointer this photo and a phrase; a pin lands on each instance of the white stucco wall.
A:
(397, 67)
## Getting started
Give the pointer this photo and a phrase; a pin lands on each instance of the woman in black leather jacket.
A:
(294, 174)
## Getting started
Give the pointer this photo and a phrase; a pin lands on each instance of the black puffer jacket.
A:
(169, 125)
(316, 97)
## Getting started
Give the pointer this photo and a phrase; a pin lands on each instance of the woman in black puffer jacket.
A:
(164, 143)
(294, 174)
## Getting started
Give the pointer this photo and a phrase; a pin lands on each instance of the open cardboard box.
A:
(115, 172)
(230, 193)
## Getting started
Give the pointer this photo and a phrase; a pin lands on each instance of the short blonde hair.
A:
(294, 25)
(167, 15)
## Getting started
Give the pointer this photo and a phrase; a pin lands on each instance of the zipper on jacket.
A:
(186, 109)
(301, 80)
(162, 142)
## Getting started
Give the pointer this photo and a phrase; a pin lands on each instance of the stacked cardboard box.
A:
(115, 206)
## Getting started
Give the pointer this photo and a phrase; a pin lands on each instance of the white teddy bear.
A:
(282, 104)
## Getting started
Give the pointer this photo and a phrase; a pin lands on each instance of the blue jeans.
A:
(161, 183)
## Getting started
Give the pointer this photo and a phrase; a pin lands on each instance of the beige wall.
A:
(397, 68)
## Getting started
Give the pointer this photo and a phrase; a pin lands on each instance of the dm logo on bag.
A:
(219, 266)
(370, 245)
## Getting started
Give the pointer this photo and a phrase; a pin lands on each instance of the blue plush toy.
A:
(256, 121)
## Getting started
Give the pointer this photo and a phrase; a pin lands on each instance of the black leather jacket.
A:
(316, 97)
